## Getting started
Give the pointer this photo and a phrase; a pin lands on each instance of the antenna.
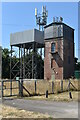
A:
(35, 11)
(41, 19)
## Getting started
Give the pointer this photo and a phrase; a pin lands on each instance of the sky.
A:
(79, 31)
(18, 16)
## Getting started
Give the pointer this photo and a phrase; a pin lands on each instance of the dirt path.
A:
(54, 109)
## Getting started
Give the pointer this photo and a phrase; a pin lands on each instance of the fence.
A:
(40, 86)
(10, 88)
(13, 88)
(33, 87)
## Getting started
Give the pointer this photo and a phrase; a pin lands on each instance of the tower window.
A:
(53, 48)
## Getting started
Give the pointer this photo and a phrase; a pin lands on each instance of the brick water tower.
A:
(59, 50)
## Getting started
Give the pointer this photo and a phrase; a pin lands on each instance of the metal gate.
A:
(10, 88)
(13, 88)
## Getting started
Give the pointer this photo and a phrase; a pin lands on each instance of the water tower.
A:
(26, 41)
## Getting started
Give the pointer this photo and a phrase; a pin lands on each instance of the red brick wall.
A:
(54, 61)
(47, 61)
(59, 61)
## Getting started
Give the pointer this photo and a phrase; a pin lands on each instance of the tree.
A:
(28, 61)
(38, 65)
(77, 64)
(5, 63)
(38, 68)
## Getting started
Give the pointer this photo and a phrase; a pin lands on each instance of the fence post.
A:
(52, 87)
(61, 85)
(10, 87)
(2, 89)
(70, 95)
(22, 88)
(69, 86)
(35, 86)
(19, 87)
(46, 93)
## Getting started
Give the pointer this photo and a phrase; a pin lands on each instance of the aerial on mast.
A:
(41, 19)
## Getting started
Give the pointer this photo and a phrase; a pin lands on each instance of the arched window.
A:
(53, 47)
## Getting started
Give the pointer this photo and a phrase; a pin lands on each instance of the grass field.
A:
(58, 97)
(11, 112)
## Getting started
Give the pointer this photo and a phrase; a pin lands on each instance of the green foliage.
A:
(77, 66)
(38, 62)
(28, 62)
(5, 63)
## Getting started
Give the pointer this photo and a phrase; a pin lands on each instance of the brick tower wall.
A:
(53, 63)
(68, 59)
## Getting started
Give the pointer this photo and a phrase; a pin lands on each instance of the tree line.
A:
(6, 63)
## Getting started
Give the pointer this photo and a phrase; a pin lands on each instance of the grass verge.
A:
(11, 112)
(57, 97)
